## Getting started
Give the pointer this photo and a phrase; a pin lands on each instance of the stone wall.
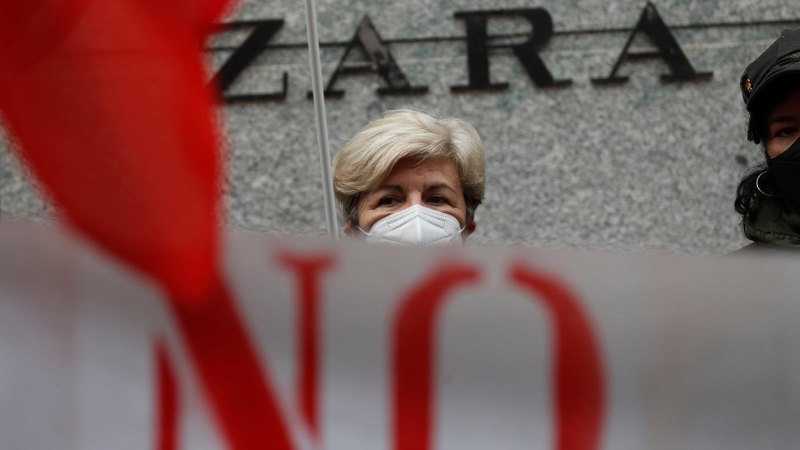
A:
(645, 166)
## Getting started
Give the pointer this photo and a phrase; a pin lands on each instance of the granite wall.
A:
(644, 166)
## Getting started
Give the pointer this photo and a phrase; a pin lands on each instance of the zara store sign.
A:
(479, 51)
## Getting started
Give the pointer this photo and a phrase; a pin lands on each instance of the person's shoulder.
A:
(755, 248)
(749, 249)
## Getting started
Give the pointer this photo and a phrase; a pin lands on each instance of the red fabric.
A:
(108, 102)
(414, 355)
(579, 380)
(578, 374)
(237, 383)
(308, 272)
(167, 400)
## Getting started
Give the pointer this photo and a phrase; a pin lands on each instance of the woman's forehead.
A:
(440, 169)
(788, 107)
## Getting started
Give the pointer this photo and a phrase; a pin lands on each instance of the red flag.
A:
(109, 104)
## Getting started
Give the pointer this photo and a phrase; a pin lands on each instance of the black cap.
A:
(778, 64)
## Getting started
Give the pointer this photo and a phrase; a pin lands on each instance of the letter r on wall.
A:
(478, 48)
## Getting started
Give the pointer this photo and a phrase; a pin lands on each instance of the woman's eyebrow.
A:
(436, 186)
(781, 119)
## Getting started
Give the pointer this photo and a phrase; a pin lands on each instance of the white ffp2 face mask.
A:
(416, 225)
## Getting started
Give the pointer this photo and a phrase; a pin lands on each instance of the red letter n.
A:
(309, 271)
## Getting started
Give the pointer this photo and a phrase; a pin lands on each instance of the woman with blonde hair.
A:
(411, 178)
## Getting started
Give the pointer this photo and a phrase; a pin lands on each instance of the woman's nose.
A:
(414, 198)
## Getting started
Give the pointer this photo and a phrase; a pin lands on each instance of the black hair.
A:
(748, 196)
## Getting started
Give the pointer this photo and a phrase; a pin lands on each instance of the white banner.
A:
(375, 347)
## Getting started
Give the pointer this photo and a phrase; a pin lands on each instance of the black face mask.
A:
(785, 172)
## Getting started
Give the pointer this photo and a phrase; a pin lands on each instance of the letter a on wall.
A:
(651, 23)
(381, 61)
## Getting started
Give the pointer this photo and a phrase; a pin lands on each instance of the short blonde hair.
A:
(368, 158)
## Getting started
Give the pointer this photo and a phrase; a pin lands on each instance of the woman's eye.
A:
(387, 201)
(437, 200)
(783, 130)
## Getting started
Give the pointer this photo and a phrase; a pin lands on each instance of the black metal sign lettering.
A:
(244, 55)
(381, 61)
(378, 59)
(651, 23)
(478, 48)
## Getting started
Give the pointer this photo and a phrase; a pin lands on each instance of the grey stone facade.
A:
(645, 166)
